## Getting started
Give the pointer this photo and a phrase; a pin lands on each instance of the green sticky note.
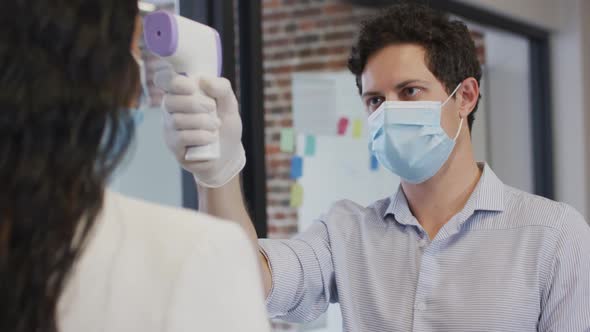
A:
(310, 145)
(357, 128)
(287, 140)
(296, 195)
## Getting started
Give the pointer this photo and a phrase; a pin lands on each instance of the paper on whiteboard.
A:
(321, 99)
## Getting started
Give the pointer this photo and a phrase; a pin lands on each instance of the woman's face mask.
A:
(135, 112)
(143, 101)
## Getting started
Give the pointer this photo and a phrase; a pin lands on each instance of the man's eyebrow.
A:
(408, 82)
(370, 93)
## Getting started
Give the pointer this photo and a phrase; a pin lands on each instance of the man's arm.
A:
(192, 118)
(227, 202)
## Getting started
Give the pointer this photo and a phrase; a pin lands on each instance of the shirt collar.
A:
(488, 195)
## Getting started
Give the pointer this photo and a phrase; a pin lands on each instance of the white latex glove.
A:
(193, 118)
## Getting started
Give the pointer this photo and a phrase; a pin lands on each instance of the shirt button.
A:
(423, 243)
(421, 306)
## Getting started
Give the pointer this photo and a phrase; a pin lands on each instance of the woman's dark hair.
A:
(450, 51)
(66, 79)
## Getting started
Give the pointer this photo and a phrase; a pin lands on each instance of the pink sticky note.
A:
(342, 125)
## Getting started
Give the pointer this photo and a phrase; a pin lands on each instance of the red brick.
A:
(279, 110)
(280, 69)
(272, 97)
(305, 53)
(306, 25)
(275, 137)
(336, 22)
(291, 27)
(306, 39)
(271, 4)
(337, 8)
(339, 64)
(279, 215)
(310, 66)
(274, 16)
(332, 50)
(280, 55)
(286, 123)
(341, 35)
(271, 30)
(306, 12)
(284, 230)
(272, 149)
(276, 42)
(283, 83)
(279, 163)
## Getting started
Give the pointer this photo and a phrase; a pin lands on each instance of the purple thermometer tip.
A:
(161, 33)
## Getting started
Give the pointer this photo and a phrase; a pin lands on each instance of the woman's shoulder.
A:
(167, 236)
(143, 257)
(160, 220)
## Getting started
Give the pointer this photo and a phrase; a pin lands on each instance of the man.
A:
(454, 249)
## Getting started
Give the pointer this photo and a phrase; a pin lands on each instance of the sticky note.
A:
(310, 145)
(296, 167)
(357, 128)
(296, 195)
(342, 125)
(374, 163)
(287, 140)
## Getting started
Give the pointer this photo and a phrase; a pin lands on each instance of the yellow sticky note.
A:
(296, 195)
(357, 128)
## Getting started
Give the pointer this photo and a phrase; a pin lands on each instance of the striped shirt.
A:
(509, 261)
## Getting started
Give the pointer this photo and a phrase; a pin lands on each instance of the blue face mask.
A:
(135, 113)
(407, 138)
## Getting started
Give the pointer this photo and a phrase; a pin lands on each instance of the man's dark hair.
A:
(450, 50)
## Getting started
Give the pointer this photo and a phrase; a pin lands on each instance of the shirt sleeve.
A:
(219, 287)
(302, 275)
(566, 304)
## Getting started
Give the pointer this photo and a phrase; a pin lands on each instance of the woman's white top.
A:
(148, 268)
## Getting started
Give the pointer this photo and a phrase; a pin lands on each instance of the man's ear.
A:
(469, 95)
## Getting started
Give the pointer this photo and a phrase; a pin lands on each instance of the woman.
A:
(74, 256)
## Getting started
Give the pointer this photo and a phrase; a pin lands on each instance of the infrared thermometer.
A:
(193, 49)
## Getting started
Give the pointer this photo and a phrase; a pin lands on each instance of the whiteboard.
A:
(339, 170)
(341, 165)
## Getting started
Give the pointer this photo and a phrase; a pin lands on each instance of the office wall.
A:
(570, 130)
(544, 13)
(570, 43)
(586, 89)
(507, 98)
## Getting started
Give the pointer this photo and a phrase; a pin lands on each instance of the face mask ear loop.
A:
(144, 99)
(451, 95)
(458, 131)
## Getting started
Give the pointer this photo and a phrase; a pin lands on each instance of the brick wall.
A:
(297, 36)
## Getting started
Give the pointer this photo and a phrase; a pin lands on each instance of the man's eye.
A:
(375, 101)
(411, 92)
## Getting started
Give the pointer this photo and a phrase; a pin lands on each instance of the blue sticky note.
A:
(310, 145)
(296, 167)
(374, 163)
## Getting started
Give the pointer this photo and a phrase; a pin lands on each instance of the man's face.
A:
(399, 73)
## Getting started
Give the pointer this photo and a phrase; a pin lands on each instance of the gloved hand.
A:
(190, 120)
